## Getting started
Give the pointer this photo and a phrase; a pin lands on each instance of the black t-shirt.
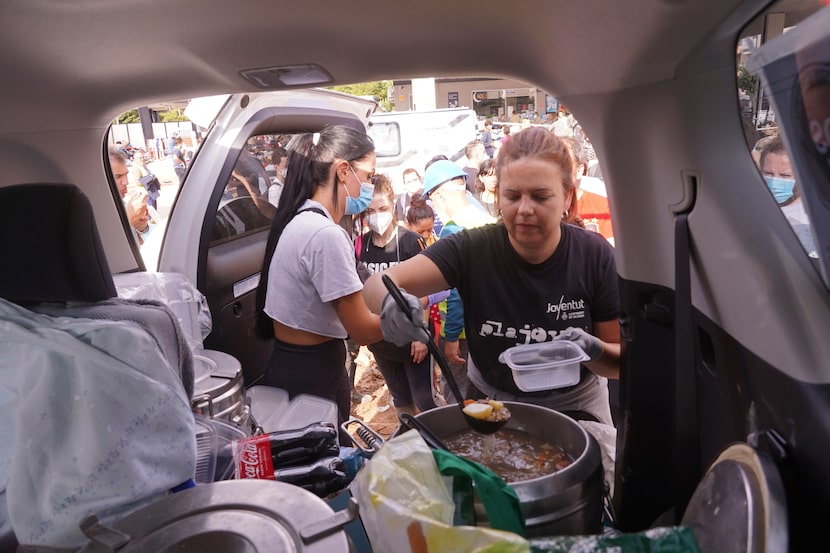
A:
(508, 301)
(472, 175)
(404, 245)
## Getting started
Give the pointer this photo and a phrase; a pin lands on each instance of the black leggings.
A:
(408, 382)
(317, 370)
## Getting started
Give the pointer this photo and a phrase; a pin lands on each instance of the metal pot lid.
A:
(234, 516)
(203, 367)
(739, 505)
(227, 366)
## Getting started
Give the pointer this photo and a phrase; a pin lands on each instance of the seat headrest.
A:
(50, 247)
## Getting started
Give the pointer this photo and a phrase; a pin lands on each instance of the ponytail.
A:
(309, 167)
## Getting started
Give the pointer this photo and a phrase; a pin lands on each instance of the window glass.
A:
(783, 76)
(253, 190)
(387, 139)
(149, 151)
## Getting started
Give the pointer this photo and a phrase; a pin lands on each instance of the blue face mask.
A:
(359, 204)
(782, 189)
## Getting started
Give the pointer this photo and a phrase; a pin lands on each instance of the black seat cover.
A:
(50, 247)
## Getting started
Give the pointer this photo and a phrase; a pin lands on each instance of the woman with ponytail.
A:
(310, 296)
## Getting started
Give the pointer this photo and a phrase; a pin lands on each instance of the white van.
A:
(411, 138)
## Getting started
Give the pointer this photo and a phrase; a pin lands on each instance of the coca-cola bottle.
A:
(259, 456)
(322, 477)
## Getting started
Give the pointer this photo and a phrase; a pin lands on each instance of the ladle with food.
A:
(483, 416)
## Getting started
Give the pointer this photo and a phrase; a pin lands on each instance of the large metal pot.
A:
(568, 502)
(219, 388)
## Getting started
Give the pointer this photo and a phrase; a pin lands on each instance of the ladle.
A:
(413, 423)
(479, 425)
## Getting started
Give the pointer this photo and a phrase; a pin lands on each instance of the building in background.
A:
(489, 97)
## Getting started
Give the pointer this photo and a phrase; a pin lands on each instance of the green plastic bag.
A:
(504, 511)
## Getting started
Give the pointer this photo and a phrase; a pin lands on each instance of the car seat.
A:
(54, 264)
(59, 267)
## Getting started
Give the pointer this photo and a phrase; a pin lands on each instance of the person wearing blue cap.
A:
(445, 186)
(528, 279)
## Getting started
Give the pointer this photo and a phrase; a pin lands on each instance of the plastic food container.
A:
(213, 439)
(305, 409)
(544, 365)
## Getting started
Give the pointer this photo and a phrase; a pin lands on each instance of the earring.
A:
(566, 214)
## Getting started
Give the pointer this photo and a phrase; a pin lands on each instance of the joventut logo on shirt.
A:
(566, 310)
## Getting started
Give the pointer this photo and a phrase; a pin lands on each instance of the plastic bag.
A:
(178, 293)
(405, 505)
(672, 539)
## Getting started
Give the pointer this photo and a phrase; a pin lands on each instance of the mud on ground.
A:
(375, 406)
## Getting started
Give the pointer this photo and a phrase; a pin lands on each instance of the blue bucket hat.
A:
(440, 172)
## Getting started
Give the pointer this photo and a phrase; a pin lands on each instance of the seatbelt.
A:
(686, 455)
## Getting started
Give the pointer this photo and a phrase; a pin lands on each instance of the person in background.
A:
(444, 185)
(279, 158)
(590, 208)
(438, 224)
(563, 126)
(119, 169)
(138, 214)
(177, 158)
(780, 178)
(475, 152)
(487, 138)
(414, 187)
(141, 178)
(505, 131)
(309, 298)
(123, 149)
(419, 219)
(486, 187)
(135, 204)
(404, 368)
(543, 280)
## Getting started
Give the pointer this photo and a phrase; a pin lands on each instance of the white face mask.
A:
(379, 222)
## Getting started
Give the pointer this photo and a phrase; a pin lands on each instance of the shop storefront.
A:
(491, 98)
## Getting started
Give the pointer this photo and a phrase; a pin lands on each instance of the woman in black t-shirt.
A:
(531, 278)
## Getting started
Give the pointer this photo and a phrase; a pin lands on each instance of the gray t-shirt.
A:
(313, 265)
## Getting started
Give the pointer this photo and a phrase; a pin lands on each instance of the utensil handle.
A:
(431, 439)
(396, 294)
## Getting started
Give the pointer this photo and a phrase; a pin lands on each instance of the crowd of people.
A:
(489, 255)
(138, 186)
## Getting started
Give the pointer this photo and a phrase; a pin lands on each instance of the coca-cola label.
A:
(253, 458)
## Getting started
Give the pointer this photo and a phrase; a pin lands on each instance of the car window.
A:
(387, 139)
(773, 54)
(253, 190)
(147, 161)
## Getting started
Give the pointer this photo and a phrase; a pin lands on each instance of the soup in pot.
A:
(513, 454)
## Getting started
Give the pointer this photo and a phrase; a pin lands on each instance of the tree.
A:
(747, 81)
(377, 89)
(129, 117)
(171, 115)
